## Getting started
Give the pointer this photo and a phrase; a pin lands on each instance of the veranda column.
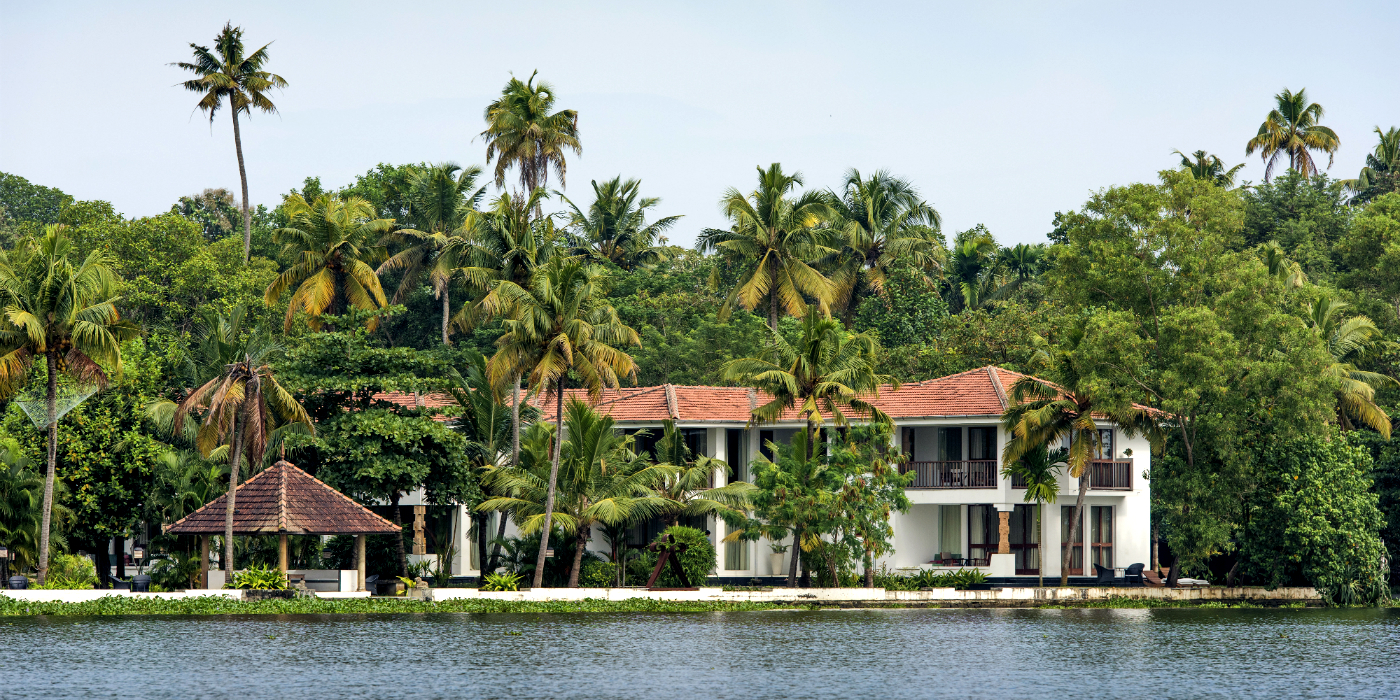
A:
(282, 551)
(204, 561)
(360, 561)
(1004, 531)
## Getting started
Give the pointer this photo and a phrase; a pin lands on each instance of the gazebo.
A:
(284, 500)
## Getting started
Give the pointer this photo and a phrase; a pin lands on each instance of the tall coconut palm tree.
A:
(524, 132)
(775, 240)
(880, 221)
(1039, 470)
(971, 269)
(65, 313)
(558, 326)
(1292, 130)
(442, 208)
(830, 370)
(240, 404)
(1349, 340)
(1204, 166)
(1382, 171)
(601, 480)
(1040, 413)
(686, 486)
(614, 227)
(334, 242)
(226, 73)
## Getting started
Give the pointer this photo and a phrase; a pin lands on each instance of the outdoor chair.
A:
(1150, 578)
(1133, 575)
(120, 585)
(1105, 575)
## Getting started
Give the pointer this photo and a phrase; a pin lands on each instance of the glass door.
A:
(1025, 539)
(1076, 556)
(1101, 535)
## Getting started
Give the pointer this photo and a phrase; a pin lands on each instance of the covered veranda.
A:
(284, 500)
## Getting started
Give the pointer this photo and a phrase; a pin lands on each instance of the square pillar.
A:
(204, 561)
(360, 562)
(282, 551)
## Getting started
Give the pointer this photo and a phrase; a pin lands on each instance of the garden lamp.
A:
(4, 561)
(137, 554)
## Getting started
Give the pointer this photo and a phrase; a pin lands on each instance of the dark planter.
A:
(141, 583)
(979, 587)
(18, 583)
(267, 595)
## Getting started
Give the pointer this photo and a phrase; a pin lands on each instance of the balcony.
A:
(962, 474)
(1111, 475)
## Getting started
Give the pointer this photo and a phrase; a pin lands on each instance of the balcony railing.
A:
(964, 474)
(1111, 474)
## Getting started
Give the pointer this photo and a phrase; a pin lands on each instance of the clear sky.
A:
(1001, 113)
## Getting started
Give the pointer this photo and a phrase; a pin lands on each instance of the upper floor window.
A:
(1104, 450)
(982, 443)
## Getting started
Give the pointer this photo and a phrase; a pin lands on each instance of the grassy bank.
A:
(317, 606)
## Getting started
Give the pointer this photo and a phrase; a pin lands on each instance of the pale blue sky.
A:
(1000, 113)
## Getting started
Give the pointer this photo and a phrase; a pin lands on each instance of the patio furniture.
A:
(120, 585)
(1133, 575)
(1150, 578)
(141, 583)
(1105, 575)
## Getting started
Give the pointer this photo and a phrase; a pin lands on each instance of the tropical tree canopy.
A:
(1205, 166)
(334, 242)
(614, 227)
(524, 132)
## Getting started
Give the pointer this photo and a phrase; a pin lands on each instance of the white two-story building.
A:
(965, 513)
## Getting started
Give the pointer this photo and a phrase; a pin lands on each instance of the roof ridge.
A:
(996, 386)
(672, 409)
(281, 467)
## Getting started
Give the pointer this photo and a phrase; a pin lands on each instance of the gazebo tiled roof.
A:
(284, 499)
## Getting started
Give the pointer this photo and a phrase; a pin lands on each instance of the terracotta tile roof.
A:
(285, 499)
(975, 393)
(434, 401)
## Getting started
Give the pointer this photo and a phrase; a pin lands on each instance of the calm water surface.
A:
(827, 654)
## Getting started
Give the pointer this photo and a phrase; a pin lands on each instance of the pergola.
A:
(284, 500)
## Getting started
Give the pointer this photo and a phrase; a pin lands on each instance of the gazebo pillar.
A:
(204, 561)
(360, 561)
(282, 551)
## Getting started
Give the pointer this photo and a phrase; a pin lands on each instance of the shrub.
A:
(594, 573)
(504, 581)
(259, 579)
(177, 571)
(68, 571)
(698, 560)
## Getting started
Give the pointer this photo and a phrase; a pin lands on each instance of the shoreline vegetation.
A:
(363, 606)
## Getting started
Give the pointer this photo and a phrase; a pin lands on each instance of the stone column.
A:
(360, 562)
(1004, 531)
(282, 551)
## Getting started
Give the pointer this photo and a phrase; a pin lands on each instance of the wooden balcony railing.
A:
(1111, 474)
(964, 474)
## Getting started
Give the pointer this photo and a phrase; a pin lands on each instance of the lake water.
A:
(846, 654)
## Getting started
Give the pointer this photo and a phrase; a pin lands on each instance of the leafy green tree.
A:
(1382, 171)
(1315, 518)
(560, 325)
(227, 73)
(775, 241)
(871, 491)
(524, 132)
(796, 495)
(972, 268)
(1292, 130)
(22, 506)
(212, 209)
(614, 228)
(1306, 216)
(25, 201)
(65, 313)
(600, 480)
(685, 485)
(1369, 256)
(1206, 166)
(334, 242)
(881, 222)
(828, 370)
(1039, 469)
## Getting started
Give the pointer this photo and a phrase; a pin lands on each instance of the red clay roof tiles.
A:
(285, 499)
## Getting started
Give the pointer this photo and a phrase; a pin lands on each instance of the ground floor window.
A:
(1101, 535)
(1025, 539)
(982, 535)
(950, 532)
(736, 556)
(1076, 555)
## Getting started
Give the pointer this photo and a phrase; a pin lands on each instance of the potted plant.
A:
(779, 549)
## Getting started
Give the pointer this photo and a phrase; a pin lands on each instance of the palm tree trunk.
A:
(52, 407)
(580, 546)
(869, 570)
(773, 307)
(496, 543)
(235, 453)
(792, 561)
(1074, 529)
(398, 520)
(483, 521)
(243, 178)
(445, 315)
(553, 477)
